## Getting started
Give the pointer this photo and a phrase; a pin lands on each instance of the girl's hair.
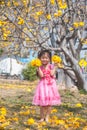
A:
(42, 52)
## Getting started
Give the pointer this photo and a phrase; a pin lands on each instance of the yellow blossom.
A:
(76, 24)
(84, 41)
(39, 13)
(82, 62)
(15, 3)
(59, 13)
(52, 2)
(71, 29)
(46, 28)
(20, 21)
(48, 16)
(27, 39)
(8, 4)
(24, 2)
(81, 24)
(63, 6)
(2, 3)
(55, 14)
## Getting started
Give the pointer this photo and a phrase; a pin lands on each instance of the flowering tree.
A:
(59, 25)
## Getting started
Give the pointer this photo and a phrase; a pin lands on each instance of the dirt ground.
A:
(15, 94)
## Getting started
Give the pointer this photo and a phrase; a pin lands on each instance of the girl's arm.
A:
(53, 71)
(40, 73)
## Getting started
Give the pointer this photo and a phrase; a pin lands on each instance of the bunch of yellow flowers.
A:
(56, 59)
(36, 62)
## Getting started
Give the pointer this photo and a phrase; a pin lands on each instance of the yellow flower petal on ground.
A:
(43, 123)
(30, 121)
(15, 119)
(60, 122)
(29, 90)
(2, 118)
(3, 111)
(78, 105)
(25, 113)
(54, 117)
(84, 128)
(54, 111)
(5, 124)
(32, 112)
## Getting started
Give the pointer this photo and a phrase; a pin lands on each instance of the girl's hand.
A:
(40, 73)
(56, 66)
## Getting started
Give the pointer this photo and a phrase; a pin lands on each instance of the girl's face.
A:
(45, 59)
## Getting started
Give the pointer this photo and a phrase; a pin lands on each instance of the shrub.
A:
(29, 73)
(1, 51)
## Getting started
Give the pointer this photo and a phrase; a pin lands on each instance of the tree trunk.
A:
(81, 83)
(68, 81)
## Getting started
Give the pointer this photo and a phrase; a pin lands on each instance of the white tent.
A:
(11, 66)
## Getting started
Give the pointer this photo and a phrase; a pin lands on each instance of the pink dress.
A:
(46, 91)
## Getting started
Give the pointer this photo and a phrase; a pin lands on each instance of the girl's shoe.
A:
(47, 119)
(41, 120)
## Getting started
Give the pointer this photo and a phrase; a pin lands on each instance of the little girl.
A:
(46, 93)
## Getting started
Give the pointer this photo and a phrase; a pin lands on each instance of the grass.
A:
(16, 99)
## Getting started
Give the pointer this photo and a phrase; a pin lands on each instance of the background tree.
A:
(59, 25)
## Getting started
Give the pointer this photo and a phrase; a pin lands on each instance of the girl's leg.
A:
(42, 113)
(48, 111)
